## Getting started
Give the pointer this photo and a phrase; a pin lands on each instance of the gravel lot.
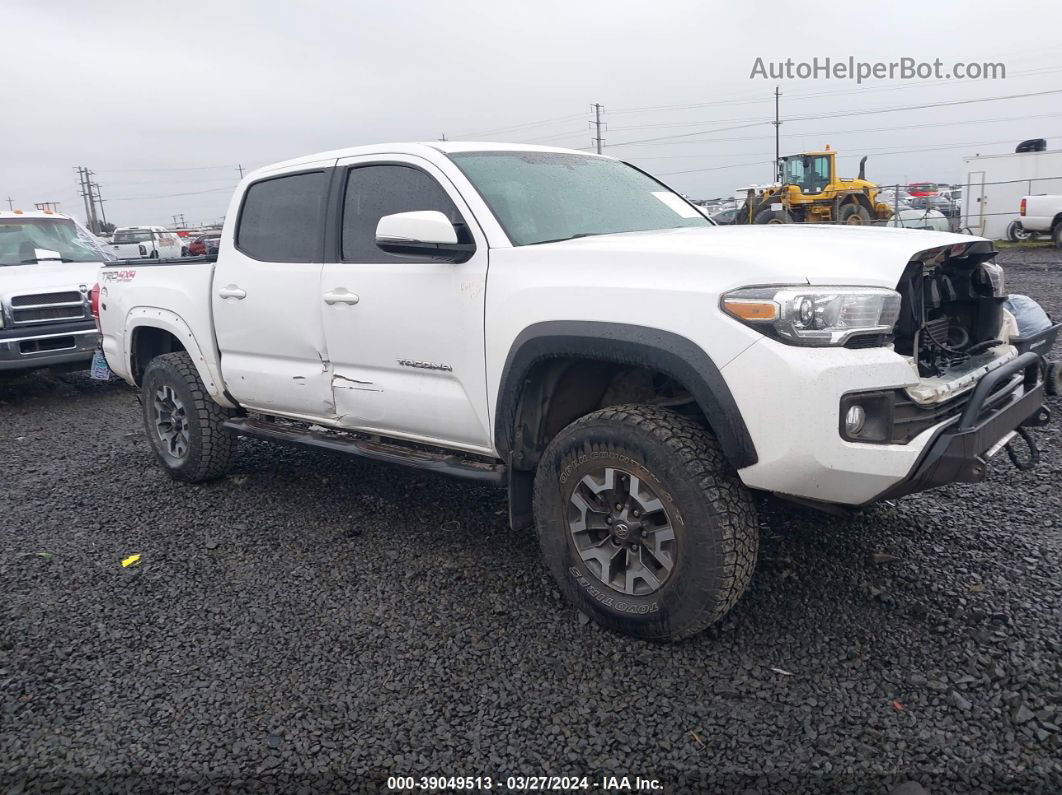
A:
(316, 622)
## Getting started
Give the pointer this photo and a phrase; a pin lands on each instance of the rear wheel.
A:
(1016, 232)
(854, 214)
(1056, 235)
(183, 422)
(642, 522)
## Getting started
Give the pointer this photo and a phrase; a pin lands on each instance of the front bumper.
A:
(790, 399)
(45, 346)
(1005, 399)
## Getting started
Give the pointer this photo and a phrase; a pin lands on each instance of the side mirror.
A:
(424, 233)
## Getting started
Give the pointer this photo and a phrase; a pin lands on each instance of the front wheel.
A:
(182, 421)
(854, 215)
(1056, 235)
(642, 522)
(768, 215)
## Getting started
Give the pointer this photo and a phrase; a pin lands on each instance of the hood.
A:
(43, 277)
(775, 253)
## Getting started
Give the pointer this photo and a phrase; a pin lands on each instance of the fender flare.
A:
(669, 353)
(165, 320)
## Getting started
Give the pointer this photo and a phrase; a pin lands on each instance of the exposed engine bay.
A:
(952, 312)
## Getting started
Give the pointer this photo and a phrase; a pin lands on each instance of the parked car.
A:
(48, 262)
(724, 216)
(940, 203)
(631, 372)
(1042, 215)
(146, 242)
(923, 189)
(897, 199)
(204, 244)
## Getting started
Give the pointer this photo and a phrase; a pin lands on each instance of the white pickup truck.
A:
(151, 242)
(563, 324)
(1042, 215)
(48, 262)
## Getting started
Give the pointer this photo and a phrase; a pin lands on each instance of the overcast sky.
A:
(169, 98)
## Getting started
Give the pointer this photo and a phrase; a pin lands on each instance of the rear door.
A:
(974, 202)
(406, 341)
(266, 296)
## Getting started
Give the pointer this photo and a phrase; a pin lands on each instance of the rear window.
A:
(281, 218)
(132, 236)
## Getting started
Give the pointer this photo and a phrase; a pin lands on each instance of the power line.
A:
(834, 133)
(172, 195)
(923, 107)
(170, 168)
(522, 126)
(876, 152)
(864, 112)
(687, 135)
(759, 98)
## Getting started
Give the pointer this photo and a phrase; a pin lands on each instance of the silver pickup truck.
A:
(48, 262)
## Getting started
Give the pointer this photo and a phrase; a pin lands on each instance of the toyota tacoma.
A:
(564, 325)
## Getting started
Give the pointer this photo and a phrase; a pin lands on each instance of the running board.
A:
(389, 452)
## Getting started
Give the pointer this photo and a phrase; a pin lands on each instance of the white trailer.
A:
(995, 184)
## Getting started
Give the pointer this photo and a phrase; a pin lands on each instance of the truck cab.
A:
(145, 242)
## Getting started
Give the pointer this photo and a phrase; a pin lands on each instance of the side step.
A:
(389, 452)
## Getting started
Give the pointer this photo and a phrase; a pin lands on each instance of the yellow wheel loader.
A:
(811, 193)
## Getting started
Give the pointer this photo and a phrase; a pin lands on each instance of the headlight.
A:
(817, 316)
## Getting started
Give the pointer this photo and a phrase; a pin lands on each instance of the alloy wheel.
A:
(621, 531)
(171, 421)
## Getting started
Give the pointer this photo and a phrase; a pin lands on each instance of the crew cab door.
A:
(405, 333)
(266, 296)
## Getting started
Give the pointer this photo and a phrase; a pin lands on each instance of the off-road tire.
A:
(1053, 379)
(769, 216)
(210, 448)
(849, 212)
(709, 509)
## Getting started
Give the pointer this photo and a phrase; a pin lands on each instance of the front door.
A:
(266, 298)
(405, 334)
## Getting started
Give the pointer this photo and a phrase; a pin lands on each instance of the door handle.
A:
(232, 291)
(340, 295)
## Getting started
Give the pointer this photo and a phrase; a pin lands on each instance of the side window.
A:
(281, 218)
(375, 191)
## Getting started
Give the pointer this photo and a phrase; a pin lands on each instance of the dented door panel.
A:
(407, 355)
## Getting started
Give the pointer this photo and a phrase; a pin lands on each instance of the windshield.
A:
(132, 236)
(24, 241)
(541, 197)
(810, 173)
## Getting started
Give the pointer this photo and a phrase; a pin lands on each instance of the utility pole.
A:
(598, 140)
(443, 137)
(81, 175)
(95, 222)
(178, 223)
(99, 198)
(10, 203)
(240, 169)
(777, 146)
